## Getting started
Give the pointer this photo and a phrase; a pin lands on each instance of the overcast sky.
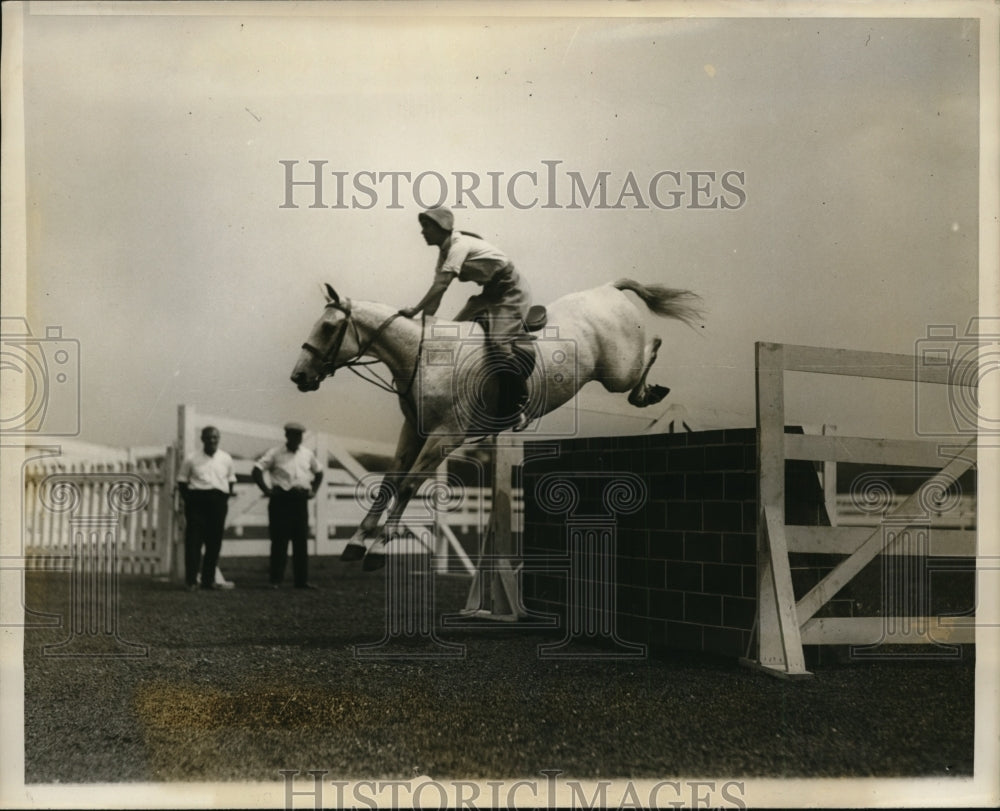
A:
(157, 237)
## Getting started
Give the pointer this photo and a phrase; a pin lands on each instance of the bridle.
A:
(328, 360)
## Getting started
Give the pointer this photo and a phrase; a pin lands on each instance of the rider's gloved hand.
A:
(408, 312)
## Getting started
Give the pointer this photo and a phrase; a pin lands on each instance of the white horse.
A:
(438, 375)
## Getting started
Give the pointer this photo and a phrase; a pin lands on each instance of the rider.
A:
(500, 308)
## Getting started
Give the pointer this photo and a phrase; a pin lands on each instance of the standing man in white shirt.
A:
(206, 482)
(295, 476)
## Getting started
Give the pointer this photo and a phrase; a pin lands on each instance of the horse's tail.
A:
(665, 301)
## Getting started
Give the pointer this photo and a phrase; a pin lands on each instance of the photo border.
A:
(982, 790)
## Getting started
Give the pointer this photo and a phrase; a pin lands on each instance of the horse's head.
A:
(324, 351)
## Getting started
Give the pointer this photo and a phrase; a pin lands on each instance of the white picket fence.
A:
(132, 499)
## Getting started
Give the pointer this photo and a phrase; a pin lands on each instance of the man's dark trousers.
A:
(205, 521)
(288, 518)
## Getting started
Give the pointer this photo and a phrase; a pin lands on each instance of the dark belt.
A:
(295, 492)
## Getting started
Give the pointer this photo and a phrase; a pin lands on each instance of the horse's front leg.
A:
(407, 449)
(426, 463)
(368, 529)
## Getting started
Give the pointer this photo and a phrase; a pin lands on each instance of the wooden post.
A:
(187, 431)
(779, 643)
(830, 482)
(495, 592)
(166, 514)
(185, 445)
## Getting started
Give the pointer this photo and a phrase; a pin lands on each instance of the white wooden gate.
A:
(785, 621)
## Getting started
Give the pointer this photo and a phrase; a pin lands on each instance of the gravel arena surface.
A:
(239, 684)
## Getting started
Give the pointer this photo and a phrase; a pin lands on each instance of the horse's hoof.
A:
(647, 396)
(353, 551)
(656, 394)
(373, 562)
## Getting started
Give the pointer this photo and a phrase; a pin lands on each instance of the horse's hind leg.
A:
(644, 394)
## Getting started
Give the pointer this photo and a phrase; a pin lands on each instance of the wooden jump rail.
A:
(785, 622)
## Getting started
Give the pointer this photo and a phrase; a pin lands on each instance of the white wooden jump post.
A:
(786, 623)
(495, 592)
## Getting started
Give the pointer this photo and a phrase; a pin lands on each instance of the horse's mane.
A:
(382, 310)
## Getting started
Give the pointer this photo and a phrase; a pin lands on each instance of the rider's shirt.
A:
(470, 258)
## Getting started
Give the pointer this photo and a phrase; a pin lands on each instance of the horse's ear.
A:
(331, 294)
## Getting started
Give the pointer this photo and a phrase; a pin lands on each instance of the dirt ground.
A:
(238, 685)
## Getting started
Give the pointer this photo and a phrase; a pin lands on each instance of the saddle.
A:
(534, 321)
(512, 376)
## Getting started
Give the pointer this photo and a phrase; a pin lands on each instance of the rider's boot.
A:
(520, 399)
(513, 393)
